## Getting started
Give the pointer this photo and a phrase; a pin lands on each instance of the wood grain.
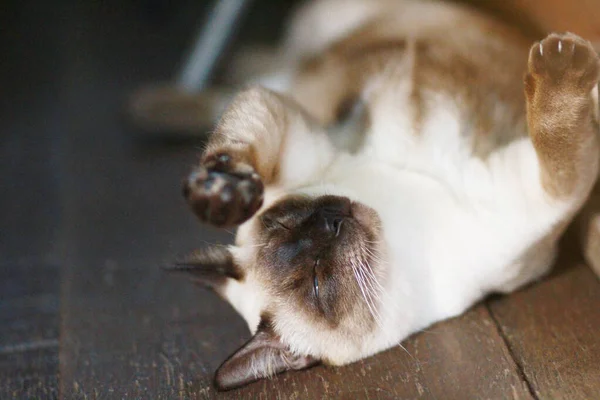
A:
(29, 205)
(553, 331)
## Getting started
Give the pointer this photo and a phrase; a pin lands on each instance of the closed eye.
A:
(273, 223)
(283, 226)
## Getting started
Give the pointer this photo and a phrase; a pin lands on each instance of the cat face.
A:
(310, 254)
(306, 275)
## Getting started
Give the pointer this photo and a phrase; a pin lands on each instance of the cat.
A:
(395, 170)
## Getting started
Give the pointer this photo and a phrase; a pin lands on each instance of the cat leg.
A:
(562, 111)
(263, 138)
(562, 114)
(554, 170)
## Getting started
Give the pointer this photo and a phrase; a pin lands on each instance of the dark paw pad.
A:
(223, 192)
(565, 60)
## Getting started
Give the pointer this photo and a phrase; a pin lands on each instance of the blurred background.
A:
(91, 207)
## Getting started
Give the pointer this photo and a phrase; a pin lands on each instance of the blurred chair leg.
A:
(185, 108)
(210, 43)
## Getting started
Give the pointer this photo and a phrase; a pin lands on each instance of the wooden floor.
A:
(90, 212)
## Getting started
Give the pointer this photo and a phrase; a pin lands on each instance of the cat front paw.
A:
(224, 192)
(564, 60)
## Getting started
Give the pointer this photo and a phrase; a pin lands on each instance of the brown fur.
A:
(560, 112)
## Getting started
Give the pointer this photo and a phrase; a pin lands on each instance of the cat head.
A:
(306, 274)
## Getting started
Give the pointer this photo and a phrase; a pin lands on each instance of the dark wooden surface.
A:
(553, 331)
(29, 329)
(90, 211)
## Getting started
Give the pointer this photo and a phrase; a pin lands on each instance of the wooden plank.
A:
(28, 330)
(463, 358)
(29, 207)
(128, 329)
(552, 330)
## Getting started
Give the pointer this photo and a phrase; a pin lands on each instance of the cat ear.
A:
(261, 357)
(211, 266)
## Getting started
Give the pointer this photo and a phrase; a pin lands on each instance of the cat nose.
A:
(333, 223)
(333, 215)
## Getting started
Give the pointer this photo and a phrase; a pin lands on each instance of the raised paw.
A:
(564, 60)
(224, 192)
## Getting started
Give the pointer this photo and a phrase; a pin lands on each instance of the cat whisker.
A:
(365, 294)
(373, 296)
(374, 288)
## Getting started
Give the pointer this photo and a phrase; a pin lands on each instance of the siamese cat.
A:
(404, 160)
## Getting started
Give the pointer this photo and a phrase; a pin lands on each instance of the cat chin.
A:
(332, 347)
(336, 349)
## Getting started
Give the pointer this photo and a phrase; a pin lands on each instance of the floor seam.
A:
(511, 352)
